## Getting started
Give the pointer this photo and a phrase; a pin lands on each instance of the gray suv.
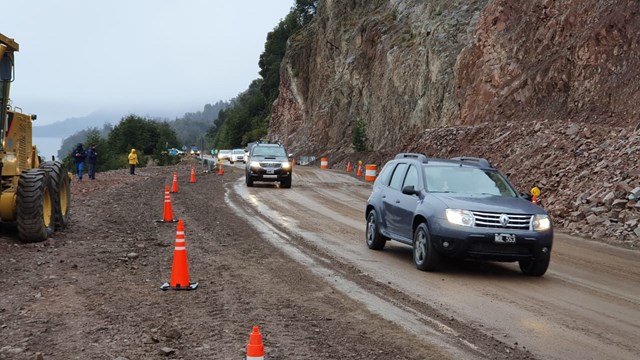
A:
(268, 162)
(456, 208)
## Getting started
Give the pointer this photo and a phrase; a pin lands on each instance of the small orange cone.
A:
(359, 173)
(193, 175)
(349, 167)
(180, 268)
(255, 349)
(174, 185)
(168, 211)
(534, 200)
(220, 172)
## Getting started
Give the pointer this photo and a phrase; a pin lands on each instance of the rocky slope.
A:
(544, 89)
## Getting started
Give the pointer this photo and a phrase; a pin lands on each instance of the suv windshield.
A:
(269, 151)
(467, 180)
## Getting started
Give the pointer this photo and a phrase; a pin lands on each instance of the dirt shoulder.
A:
(92, 291)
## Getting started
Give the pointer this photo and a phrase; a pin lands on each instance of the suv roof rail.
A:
(482, 162)
(417, 156)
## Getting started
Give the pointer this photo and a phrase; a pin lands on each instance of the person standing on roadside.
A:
(92, 157)
(133, 161)
(78, 159)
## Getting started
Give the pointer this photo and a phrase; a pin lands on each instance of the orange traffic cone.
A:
(534, 200)
(359, 173)
(255, 349)
(349, 167)
(193, 175)
(220, 172)
(174, 185)
(168, 212)
(180, 269)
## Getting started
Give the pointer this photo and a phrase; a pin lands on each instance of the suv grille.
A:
(497, 220)
(270, 164)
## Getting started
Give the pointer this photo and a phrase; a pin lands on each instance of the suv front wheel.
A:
(536, 267)
(425, 255)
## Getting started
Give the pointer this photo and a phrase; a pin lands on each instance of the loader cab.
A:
(7, 47)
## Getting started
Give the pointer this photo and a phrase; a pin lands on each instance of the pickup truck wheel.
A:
(286, 183)
(425, 256)
(248, 180)
(375, 240)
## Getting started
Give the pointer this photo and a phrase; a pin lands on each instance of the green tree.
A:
(359, 136)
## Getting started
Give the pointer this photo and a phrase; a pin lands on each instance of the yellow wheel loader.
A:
(35, 195)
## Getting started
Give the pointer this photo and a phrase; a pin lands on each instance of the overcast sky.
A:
(148, 57)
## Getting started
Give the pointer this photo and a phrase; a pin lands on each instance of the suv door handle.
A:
(397, 201)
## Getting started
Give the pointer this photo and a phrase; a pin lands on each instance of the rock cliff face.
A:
(504, 76)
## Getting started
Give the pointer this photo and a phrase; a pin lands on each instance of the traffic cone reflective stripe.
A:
(193, 175)
(255, 348)
(180, 268)
(174, 185)
(167, 215)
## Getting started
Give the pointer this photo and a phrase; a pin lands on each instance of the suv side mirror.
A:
(410, 190)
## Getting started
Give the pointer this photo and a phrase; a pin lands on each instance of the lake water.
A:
(48, 146)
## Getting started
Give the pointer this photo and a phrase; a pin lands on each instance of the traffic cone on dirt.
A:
(174, 185)
(180, 268)
(255, 349)
(193, 175)
(220, 171)
(359, 173)
(349, 167)
(533, 199)
(168, 211)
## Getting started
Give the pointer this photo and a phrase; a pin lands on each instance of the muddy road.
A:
(587, 306)
(294, 262)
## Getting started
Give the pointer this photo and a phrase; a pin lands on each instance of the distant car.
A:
(456, 208)
(237, 155)
(224, 155)
(195, 151)
(175, 152)
(268, 162)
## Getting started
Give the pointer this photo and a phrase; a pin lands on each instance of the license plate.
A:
(269, 171)
(505, 238)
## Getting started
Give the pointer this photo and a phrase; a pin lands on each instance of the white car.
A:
(224, 155)
(237, 155)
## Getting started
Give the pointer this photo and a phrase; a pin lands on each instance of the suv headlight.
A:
(460, 217)
(286, 165)
(255, 164)
(540, 222)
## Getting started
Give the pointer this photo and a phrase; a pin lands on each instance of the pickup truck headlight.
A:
(255, 164)
(540, 222)
(460, 217)
(286, 165)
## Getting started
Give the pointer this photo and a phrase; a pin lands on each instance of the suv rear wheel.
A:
(375, 240)
(425, 255)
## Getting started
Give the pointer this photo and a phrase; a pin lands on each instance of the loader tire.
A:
(61, 191)
(35, 216)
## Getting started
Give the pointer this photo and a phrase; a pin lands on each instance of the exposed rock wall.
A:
(547, 89)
